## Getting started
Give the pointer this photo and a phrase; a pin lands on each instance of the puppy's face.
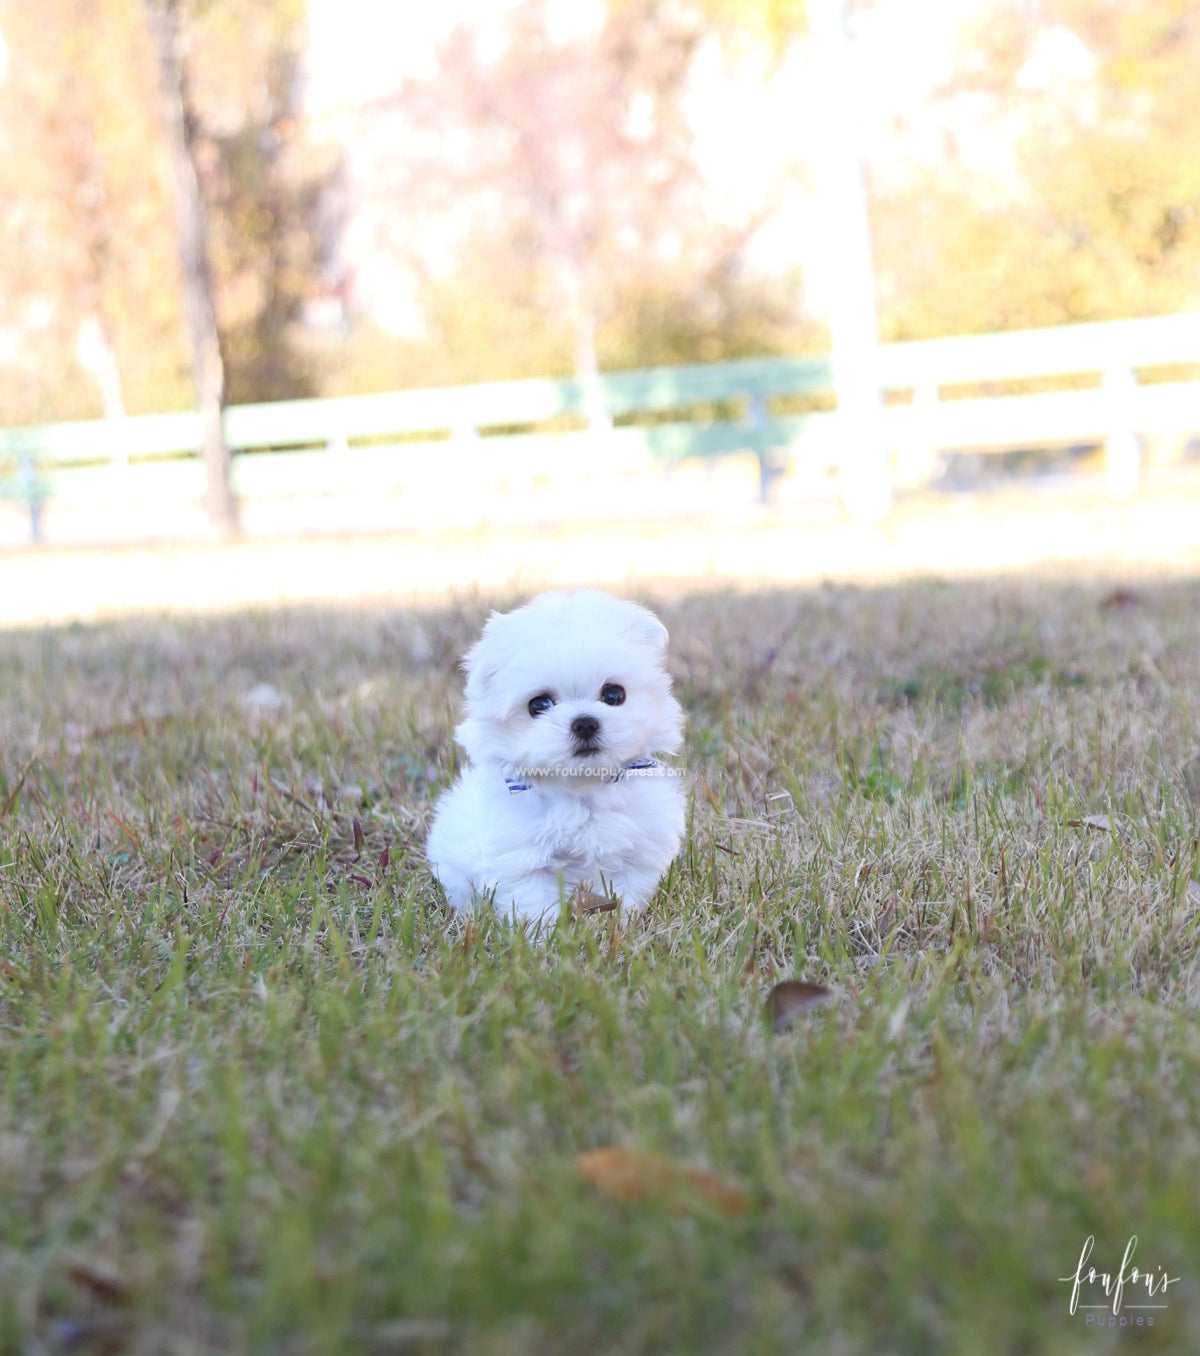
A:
(570, 686)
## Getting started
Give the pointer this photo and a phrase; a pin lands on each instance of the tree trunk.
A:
(587, 362)
(166, 27)
(97, 356)
(578, 295)
(849, 268)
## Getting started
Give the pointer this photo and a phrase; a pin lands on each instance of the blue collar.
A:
(633, 765)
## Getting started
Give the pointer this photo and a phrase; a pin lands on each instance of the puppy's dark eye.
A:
(612, 694)
(543, 702)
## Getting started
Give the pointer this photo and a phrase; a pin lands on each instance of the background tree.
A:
(85, 237)
(543, 194)
(1068, 181)
(542, 186)
(263, 183)
(568, 150)
(88, 230)
(191, 223)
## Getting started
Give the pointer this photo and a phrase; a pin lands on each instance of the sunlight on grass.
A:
(262, 1093)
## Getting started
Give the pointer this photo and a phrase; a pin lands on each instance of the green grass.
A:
(262, 1093)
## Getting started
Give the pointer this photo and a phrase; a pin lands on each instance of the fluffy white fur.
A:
(583, 819)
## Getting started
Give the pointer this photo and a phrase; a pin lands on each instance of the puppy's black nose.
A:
(585, 728)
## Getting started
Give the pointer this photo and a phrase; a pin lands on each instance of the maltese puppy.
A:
(567, 702)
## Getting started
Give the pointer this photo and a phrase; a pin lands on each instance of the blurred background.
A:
(387, 198)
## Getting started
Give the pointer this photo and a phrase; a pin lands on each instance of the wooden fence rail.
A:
(1112, 384)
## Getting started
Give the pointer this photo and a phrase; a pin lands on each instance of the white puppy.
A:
(567, 701)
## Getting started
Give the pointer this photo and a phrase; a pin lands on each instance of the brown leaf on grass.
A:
(359, 840)
(588, 901)
(1102, 823)
(635, 1175)
(384, 857)
(788, 999)
(99, 1280)
(1121, 598)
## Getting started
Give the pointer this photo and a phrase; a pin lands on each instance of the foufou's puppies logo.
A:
(1131, 1287)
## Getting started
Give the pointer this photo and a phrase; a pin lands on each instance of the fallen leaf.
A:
(588, 901)
(359, 840)
(99, 1279)
(1102, 823)
(1121, 598)
(788, 999)
(635, 1175)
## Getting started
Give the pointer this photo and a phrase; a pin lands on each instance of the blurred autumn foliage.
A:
(541, 197)
(85, 241)
(90, 297)
(1087, 205)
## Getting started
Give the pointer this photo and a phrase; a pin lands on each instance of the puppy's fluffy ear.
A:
(646, 628)
(485, 659)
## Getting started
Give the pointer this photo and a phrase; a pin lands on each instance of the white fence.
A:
(678, 439)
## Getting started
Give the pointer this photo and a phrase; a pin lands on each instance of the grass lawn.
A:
(261, 1093)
